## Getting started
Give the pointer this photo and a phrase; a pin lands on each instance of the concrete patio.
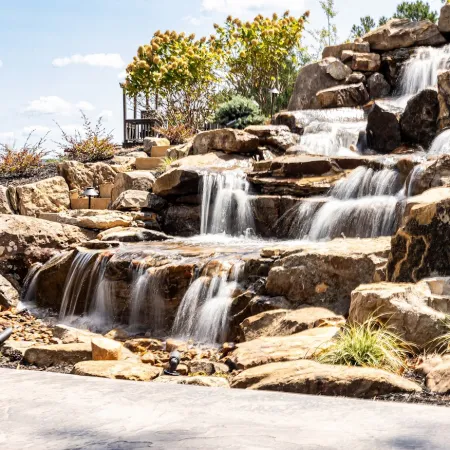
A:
(41, 410)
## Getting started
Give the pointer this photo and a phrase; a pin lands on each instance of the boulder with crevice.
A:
(138, 180)
(343, 96)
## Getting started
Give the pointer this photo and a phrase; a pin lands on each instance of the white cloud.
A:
(106, 114)
(113, 60)
(56, 105)
(246, 7)
(196, 21)
(36, 130)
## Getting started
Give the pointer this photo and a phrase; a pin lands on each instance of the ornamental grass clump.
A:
(24, 161)
(441, 344)
(176, 134)
(371, 344)
(91, 144)
(239, 113)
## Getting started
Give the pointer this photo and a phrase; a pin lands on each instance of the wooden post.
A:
(124, 116)
(135, 107)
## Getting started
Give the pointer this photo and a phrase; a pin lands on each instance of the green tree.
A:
(261, 55)
(366, 24)
(415, 11)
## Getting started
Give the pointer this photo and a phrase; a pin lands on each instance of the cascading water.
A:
(204, 311)
(363, 205)
(225, 204)
(422, 69)
(441, 144)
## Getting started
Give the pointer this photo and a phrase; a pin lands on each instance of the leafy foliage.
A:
(415, 11)
(366, 24)
(24, 161)
(176, 134)
(239, 112)
(260, 55)
(90, 145)
(370, 344)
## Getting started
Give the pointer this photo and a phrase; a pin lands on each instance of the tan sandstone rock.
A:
(217, 382)
(226, 140)
(138, 180)
(58, 354)
(5, 206)
(309, 377)
(438, 379)
(9, 297)
(106, 349)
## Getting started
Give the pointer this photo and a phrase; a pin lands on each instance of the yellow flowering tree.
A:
(261, 55)
(178, 70)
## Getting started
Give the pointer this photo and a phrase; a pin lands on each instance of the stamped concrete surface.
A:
(41, 410)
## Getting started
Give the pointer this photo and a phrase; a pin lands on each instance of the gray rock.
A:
(5, 206)
(444, 19)
(378, 86)
(383, 130)
(226, 140)
(355, 77)
(346, 95)
(9, 297)
(335, 51)
(338, 70)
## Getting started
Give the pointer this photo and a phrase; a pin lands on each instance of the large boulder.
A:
(311, 79)
(182, 220)
(132, 234)
(267, 350)
(178, 181)
(58, 354)
(444, 20)
(325, 275)
(400, 33)
(277, 136)
(133, 200)
(421, 248)
(392, 64)
(346, 95)
(430, 174)
(409, 309)
(335, 51)
(91, 218)
(281, 322)
(362, 62)
(5, 205)
(104, 349)
(419, 121)
(9, 297)
(444, 99)
(49, 195)
(27, 240)
(138, 180)
(309, 377)
(383, 130)
(79, 176)
(150, 142)
(225, 140)
(119, 370)
(378, 86)
(290, 119)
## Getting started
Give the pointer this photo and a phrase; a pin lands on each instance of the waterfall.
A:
(441, 144)
(422, 69)
(147, 301)
(364, 205)
(204, 311)
(225, 204)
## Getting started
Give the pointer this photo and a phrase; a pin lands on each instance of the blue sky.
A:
(57, 56)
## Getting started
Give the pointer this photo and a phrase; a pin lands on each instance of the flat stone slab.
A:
(70, 412)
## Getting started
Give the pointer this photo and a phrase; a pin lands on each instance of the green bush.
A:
(371, 344)
(239, 112)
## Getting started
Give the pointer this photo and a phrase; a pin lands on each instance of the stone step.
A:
(160, 151)
(96, 203)
(148, 163)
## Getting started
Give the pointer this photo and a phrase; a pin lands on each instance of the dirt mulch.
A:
(46, 171)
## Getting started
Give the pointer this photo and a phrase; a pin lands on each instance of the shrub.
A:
(90, 145)
(24, 161)
(177, 134)
(371, 344)
(239, 112)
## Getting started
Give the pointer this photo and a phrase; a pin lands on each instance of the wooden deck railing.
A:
(135, 130)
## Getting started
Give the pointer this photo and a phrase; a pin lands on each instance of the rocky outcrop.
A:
(421, 248)
(378, 86)
(401, 33)
(27, 240)
(419, 121)
(335, 51)
(276, 136)
(383, 130)
(118, 370)
(444, 20)
(49, 195)
(177, 181)
(79, 176)
(91, 219)
(281, 322)
(325, 275)
(311, 79)
(9, 297)
(412, 311)
(139, 180)
(347, 95)
(225, 140)
(444, 99)
(267, 350)
(5, 205)
(309, 377)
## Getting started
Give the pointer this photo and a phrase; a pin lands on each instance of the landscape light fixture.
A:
(90, 192)
(174, 360)
(5, 335)
(274, 93)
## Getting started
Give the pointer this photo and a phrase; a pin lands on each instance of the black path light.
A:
(174, 360)
(274, 94)
(90, 192)
(5, 335)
